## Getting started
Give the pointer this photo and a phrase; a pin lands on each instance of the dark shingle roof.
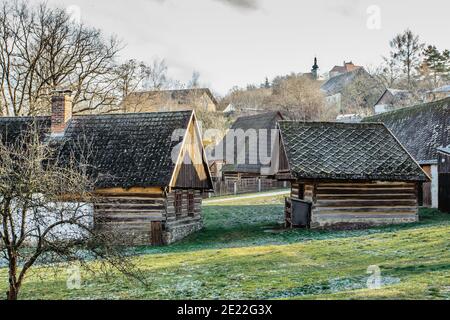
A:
(266, 121)
(319, 150)
(13, 128)
(421, 129)
(127, 150)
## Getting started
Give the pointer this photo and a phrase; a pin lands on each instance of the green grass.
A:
(244, 254)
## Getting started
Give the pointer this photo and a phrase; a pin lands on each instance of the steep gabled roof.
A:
(122, 150)
(344, 151)
(128, 150)
(394, 95)
(421, 129)
(267, 121)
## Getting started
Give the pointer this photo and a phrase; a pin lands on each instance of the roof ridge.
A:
(416, 106)
(131, 113)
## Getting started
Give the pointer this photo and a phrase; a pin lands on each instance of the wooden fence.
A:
(247, 185)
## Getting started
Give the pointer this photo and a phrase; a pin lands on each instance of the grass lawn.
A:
(243, 254)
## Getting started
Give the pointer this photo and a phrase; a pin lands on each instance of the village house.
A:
(392, 99)
(258, 130)
(199, 99)
(335, 88)
(150, 169)
(438, 93)
(241, 161)
(346, 175)
(346, 67)
(422, 129)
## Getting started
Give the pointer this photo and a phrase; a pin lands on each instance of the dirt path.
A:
(259, 195)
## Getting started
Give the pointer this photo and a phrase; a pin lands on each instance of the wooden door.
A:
(444, 192)
(156, 233)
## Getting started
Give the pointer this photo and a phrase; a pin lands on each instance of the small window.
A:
(178, 203)
(191, 204)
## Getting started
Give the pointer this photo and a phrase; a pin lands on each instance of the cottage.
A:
(150, 169)
(422, 129)
(346, 175)
(438, 93)
(392, 99)
(335, 88)
(252, 133)
(200, 99)
(346, 67)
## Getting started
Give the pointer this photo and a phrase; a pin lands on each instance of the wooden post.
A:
(259, 184)
(235, 188)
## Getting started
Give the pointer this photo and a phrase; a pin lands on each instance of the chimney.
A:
(61, 111)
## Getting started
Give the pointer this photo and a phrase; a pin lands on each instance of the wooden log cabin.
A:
(149, 169)
(346, 175)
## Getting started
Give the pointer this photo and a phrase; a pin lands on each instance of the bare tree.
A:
(41, 50)
(132, 76)
(406, 49)
(156, 75)
(45, 211)
(299, 97)
(194, 82)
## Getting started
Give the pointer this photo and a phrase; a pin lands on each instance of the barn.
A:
(422, 129)
(150, 169)
(346, 175)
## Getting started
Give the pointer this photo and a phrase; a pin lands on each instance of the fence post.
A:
(259, 184)
(235, 188)
(285, 184)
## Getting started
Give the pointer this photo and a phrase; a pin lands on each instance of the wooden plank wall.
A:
(444, 182)
(172, 218)
(129, 213)
(366, 203)
(426, 188)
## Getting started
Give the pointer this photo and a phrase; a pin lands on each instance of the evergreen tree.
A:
(437, 63)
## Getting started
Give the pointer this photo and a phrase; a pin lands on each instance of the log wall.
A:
(134, 214)
(364, 203)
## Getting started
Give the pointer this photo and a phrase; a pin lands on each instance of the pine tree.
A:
(438, 63)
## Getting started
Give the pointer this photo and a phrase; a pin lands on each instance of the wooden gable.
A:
(191, 170)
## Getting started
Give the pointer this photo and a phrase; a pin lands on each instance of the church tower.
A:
(315, 69)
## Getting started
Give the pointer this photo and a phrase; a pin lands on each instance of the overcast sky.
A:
(236, 42)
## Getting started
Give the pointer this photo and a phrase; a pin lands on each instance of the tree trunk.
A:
(13, 284)
(12, 293)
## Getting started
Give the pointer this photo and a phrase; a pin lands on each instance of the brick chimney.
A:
(61, 111)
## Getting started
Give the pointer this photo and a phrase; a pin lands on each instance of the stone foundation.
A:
(175, 233)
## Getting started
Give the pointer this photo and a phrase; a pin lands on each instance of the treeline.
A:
(43, 49)
(411, 65)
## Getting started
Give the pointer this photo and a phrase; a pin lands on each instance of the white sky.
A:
(236, 42)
